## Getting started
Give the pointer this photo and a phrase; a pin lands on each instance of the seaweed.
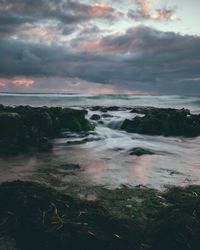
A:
(37, 217)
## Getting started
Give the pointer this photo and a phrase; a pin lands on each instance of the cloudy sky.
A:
(113, 46)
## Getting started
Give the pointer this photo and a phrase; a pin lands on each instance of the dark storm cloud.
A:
(10, 22)
(62, 10)
(140, 59)
(49, 19)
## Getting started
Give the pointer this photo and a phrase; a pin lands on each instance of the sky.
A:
(141, 47)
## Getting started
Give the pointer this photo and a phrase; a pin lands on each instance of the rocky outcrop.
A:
(26, 128)
(166, 122)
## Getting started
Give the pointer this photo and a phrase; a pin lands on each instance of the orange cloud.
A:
(16, 81)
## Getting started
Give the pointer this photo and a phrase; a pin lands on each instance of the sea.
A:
(105, 158)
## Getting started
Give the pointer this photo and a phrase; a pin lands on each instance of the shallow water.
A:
(105, 158)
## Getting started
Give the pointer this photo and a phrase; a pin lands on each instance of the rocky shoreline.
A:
(26, 128)
(34, 215)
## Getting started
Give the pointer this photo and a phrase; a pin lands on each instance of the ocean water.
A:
(82, 100)
(105, 158)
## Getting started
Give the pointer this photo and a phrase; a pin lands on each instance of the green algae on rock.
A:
(26, 128)
(163, 121)
(138, 151)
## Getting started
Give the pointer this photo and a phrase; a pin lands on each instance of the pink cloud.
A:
(101, 45)
(103, 10)
(144, 11)
(41, 33)
(16, 81)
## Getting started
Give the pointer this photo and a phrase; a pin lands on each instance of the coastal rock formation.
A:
(23, 128)
(166, 122)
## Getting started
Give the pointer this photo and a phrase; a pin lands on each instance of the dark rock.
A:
(74, 120)
(10, 124)
(105, 109)
(26, 128)
(101, 122)
(107, 115)
(166, 122)
(95, 117)
(112, 108)
(141, 151)
(85, 140)
(99, 108)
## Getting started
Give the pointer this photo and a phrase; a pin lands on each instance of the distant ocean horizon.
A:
(87, 100)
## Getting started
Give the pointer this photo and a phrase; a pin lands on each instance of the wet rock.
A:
(10, 124)
(85, 140)
(141, 151)
(166, 122)
(26, 128)
(113, 108)
(74, 120)
(101, 122)
(105, 109)
(95, 117)
(107, 115)
(99, 108)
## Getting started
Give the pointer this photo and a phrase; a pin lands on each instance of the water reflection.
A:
(107, 161)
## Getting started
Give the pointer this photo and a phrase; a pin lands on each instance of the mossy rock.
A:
(166, 122)
(74, 120)
(25, 128)
(141, 151)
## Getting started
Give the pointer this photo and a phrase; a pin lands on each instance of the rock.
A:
(10, 124)
(107, 115)
(99, 108)
(112, 108)
(95, 117)
(105, 109)
(85, 140)
(74, 120)
(141, 151)
(26, 128)
(166, 122)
